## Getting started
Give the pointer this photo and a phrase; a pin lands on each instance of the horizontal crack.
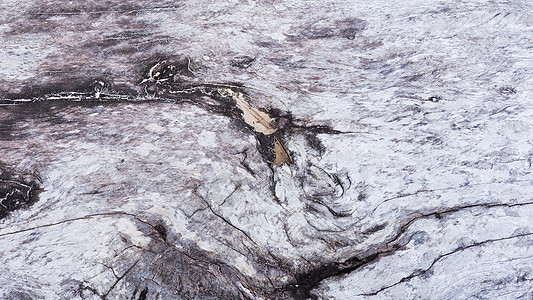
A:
(441, 257)
(86, 217)
(108, 11)
(450, 210)
(304, 283)
(442, 189)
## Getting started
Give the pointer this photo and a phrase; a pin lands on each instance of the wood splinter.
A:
(261, 122)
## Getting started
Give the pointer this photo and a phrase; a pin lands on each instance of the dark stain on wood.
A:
(17, 191)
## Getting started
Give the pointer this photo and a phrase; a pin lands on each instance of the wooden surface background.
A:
(398, 164)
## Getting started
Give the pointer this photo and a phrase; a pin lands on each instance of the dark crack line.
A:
(306, 282)
(321, 129)
(333, 212)
(224, 104)
(98, 12)
(272, 187)
(228, 222)
(391, 245)
(407, 195)
(91, 216)
(233, 248)
(120, 278)
(198, 262)
(195, 211)
(451, 210)
(442, 189)
(497, 111)
(112, 270)
(244, 164)
(301, 288)
(126, 248)
(441, 257)
(289, 238)
(237, 186)
(86, 217)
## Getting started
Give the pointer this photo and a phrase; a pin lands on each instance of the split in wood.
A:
(261, 123)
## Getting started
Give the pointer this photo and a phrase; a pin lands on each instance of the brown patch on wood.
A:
(282, 155)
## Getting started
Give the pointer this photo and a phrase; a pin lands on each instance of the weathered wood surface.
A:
(407, 126)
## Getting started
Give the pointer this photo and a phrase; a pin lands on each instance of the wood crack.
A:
(229, 223)
(109, 11)
(104, 296)
(86, 217)
(450, 210)
(441, 257)
(400, 196)
(305, 282)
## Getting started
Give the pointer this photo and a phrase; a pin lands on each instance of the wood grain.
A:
(127, 173)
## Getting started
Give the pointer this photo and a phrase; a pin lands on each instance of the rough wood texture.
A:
(398, 165)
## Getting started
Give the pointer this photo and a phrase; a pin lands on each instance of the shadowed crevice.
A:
(17, 191)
